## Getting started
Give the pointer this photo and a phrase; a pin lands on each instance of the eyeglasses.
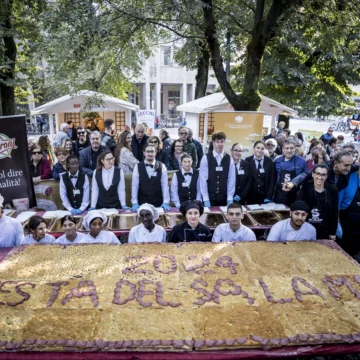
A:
(149, 151)
(110, 159)
(81, 132)
(153, 142)
(36, 152)
(320, 174)
(236, 150)
(183, 133)
(270, 145)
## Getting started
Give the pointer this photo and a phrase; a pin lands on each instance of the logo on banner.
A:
(7, 145)
(239, 119)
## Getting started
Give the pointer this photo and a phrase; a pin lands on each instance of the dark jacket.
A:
(270, 175)
(307, 194)
(137, 147)
(57, 170)
(167, 144)
(163, 157)
(184, 232)
(86, 163)
(173, 163)
(45, 169)
(78, 147)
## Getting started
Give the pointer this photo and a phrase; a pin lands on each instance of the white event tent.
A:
(218, 102)
(75, 103)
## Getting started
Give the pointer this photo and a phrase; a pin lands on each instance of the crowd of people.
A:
(321, 174)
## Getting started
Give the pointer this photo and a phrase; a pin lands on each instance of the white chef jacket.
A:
(63, 240)
(11, 232)
(29, 239)
(283, 231)
(140, 234)
(103, 237)
(223, 232)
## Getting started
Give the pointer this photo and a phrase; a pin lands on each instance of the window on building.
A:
(166, 55)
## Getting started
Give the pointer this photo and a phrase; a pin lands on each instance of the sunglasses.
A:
(153, 142)
(36, 152)
(81, 132)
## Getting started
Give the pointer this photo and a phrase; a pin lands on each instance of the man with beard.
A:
(294, 228)
(82, 141)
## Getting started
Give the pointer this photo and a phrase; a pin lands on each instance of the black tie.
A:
(149, 165)
(73, 177)
(190, 174)
(259, 165)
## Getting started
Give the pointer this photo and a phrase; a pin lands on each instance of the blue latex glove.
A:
(177, 206)
(166, 206)
(339, 231)
(237, 198)
(78, 211)
(229, 202)
(135, 207)
(92, 208)
(267, 201)
(73, 211)
(207, 204)
(125, 207)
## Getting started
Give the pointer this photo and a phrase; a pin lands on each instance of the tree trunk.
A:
(202, 74)
(8, 56)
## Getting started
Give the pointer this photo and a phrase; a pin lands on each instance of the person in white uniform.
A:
(74, 187)
(71, 236)
(147, 231)
(108, 184)
(294, 228)
(11, 232)
(94, 221)
(185, 183)
(234, 230)
(38, 232)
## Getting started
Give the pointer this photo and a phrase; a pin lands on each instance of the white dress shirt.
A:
(223, 232)
(140, 234)
(150, 171)
(80, 237)
(257, 162)
(204, 175)
(174, 189)
(103, 237)
(86, 193)
(283, 231)
(107, 178)
(29, 239)
(11, 232)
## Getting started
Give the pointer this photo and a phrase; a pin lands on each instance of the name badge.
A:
(154, 173)
(185, 184)
(241, 172)
(76, 192)
(219, 168)
(262, 171)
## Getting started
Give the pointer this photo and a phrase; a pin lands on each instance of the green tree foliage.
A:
(309, 65)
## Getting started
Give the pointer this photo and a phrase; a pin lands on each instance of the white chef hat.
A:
(1, 201)
(91, 215)
(151, 208)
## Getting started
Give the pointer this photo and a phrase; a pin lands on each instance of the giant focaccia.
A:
(183, 297)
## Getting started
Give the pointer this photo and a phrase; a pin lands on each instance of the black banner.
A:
(16, 184)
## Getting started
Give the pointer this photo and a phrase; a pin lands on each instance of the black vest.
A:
(189, 192)
(242, 180)
(258, 183)
(108, 198)
(150, 190)
(75, 200)
(217, 180)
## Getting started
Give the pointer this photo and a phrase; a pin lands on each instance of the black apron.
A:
(318, 216)
(350, 222)
(281, 196)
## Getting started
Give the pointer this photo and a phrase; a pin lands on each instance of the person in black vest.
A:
(74, 187)
(242, 170)
(262, 176)
(150, 182)
(108, 184)
(185, 184)
(217, 174)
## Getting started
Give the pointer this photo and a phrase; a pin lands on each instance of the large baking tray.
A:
(48, 222)
(123, 222)
(56, 224)
(282, 214)
(247, 220)
(264, 218)
(212, 219)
